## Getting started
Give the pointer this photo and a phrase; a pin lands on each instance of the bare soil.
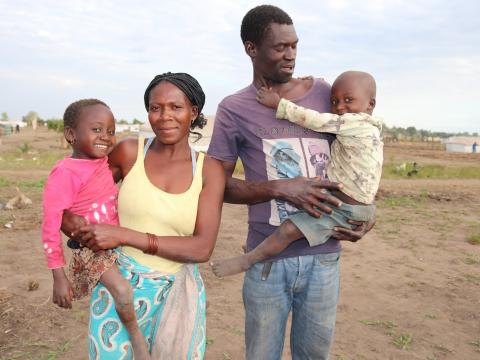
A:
(410, 289)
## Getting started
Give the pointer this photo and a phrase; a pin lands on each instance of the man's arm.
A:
(306, 193)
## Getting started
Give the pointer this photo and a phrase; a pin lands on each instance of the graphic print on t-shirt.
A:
(292, 157)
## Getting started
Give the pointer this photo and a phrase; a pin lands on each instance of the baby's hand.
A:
(268, 97)
(62, 289)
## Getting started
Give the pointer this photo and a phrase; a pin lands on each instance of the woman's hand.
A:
(100, 236)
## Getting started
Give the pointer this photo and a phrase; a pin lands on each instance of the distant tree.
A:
(136, 121)
(31, 118)
(5, 116)
(57, 125)
(424, 134)
(122, 122)
(411, 131)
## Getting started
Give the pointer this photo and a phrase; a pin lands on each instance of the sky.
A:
(424, 54)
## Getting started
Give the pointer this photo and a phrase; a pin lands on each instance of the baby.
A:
(356, 163)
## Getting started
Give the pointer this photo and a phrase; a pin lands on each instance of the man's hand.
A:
(100, 236)
(62, 289)
(356, 234)
(71, 223)
(309, 194)
(268, 97)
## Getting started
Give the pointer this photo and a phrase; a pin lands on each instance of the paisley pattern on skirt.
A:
(108, 338)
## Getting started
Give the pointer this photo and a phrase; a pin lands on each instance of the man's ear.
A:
(250, 49)
(372, 103)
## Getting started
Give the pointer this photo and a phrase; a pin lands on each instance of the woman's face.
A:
(170, 113)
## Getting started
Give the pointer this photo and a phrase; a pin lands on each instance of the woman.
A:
(169, 207)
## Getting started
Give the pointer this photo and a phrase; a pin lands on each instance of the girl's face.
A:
(94, 134)
(170, 113)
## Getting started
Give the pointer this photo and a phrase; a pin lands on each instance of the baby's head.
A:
(89, 126)
(353, 92)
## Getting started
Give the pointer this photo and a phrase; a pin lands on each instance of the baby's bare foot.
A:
(230, 266)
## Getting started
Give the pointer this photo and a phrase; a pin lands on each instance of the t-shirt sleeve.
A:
(226, 138)
(58, 195)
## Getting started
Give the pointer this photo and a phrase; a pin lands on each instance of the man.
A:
(279, 178)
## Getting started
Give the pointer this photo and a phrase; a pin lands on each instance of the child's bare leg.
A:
(122, 293)
(283, 236)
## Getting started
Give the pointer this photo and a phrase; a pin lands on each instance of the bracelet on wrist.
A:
(152, 244)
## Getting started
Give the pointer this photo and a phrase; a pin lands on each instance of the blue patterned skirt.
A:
(108, 338)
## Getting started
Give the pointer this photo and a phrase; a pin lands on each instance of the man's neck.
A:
(292, 89)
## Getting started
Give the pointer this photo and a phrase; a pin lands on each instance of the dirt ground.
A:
(410, 289)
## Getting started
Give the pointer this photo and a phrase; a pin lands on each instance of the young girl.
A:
(83, 184)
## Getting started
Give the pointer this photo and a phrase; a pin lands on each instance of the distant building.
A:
(461, 144)
(127, 127)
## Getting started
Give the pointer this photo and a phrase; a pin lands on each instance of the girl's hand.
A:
(100, 236)
(268, 97)
(71, 223)
(62, 289)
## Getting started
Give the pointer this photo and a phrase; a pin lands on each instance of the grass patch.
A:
(476, 344)
(472, 259)
(38, 354)
(399, 201)
(386, 324)
(474, 239)
(403, 341)
(22, 161)
(22, 184)
(397, 171)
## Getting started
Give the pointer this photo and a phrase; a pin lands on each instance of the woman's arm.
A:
(187, 249)
(122, 158)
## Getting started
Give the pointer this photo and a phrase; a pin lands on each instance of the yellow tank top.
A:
(144, 207)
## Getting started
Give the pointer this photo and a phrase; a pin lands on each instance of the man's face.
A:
(274, 58)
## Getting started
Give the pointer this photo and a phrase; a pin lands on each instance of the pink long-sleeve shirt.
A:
(86, 188)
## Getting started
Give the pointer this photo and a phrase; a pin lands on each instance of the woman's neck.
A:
(178, 150)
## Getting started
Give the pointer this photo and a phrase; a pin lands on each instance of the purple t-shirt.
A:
(272, 149)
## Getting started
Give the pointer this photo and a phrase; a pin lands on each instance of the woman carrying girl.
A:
(169, 206)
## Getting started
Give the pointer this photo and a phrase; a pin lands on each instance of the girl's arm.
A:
(187, 249)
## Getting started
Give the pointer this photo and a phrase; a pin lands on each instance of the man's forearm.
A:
(239, 191)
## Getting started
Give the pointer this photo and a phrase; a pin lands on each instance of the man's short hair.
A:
(256, 22)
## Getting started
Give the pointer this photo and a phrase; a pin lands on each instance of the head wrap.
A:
(189, 86)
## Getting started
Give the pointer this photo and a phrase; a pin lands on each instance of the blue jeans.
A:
(306, 285)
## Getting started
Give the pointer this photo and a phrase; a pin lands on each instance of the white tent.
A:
(462, 144)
